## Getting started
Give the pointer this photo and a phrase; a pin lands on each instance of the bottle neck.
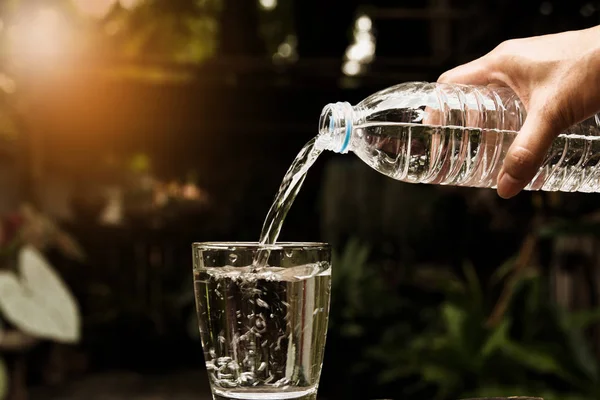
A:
(336, 126)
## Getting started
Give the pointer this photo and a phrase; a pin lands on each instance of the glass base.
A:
(310, 394)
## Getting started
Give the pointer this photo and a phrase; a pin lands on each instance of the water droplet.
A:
(289, 253)
(222, 339)
(227, 383)
(221, 375)
(233, 258)
(247, 377)
(213, 353)
(262, 366)
(272, 316)
(282, 382)
(223, 361)
(251, 352)
(261, 326)
(262, 303)
(279, 339)
(210, 366)
(270, 378)
(233, 366)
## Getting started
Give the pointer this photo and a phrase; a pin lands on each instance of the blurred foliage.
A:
(152, 31)
(448, 349)
(177, 30)
(276, 27)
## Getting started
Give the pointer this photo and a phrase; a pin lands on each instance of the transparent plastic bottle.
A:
(447, 134)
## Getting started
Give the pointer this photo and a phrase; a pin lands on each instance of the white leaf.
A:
(40, 303)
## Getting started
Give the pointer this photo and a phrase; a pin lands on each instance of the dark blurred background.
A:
(141, 126)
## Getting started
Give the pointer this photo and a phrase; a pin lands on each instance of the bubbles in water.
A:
(261, 325)
(262, 303)
(226, 383)
(282, 382)
(233, 366)
(245, 331)
(223, 361)
(247, 377)
(269, 378)
(279, 339)
(210, 366)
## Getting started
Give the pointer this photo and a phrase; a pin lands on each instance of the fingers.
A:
(526, 154)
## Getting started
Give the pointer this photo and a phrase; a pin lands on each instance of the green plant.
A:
(534, 349)
(365, 302)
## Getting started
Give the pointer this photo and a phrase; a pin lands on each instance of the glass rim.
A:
(233, 246)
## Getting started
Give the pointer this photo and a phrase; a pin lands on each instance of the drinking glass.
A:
(263, 328)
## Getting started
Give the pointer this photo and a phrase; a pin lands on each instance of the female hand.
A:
(557, 77)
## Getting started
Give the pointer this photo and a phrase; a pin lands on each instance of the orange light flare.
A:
(40, 38)
(96, 9)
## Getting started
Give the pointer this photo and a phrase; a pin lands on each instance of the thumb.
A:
(476, 72)
(527, 153)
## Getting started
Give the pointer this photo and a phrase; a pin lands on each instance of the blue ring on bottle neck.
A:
(347, 137)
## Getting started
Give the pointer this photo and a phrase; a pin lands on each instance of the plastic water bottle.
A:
(446, 134)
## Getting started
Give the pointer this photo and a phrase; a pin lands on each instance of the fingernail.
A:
(508, 186)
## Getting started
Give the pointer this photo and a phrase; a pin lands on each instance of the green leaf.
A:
(497, 339)
(454, 319)
(502, 272)
(580, 350)
(584, 318)
(537, 360)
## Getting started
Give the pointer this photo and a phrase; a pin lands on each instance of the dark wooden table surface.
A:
(188, 385)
